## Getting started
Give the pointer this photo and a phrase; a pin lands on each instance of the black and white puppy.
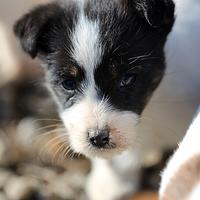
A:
(103, 60)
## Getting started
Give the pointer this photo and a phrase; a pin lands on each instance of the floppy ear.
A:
(158, 13)
(32, 25)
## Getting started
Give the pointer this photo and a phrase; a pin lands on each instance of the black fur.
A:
(133, 33)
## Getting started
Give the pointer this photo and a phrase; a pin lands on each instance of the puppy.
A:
(103, 60)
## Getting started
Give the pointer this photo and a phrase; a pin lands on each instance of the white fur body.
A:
(187, 150)
(118, 177)
(195, 193)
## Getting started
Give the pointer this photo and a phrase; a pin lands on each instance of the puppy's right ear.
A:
(158, 13)
(31, 26)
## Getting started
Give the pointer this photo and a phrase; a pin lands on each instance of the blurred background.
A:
(33, 164)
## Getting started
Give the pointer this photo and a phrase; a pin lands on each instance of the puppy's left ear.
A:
(158, 13)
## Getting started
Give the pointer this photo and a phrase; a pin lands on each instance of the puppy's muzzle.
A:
(100, 138)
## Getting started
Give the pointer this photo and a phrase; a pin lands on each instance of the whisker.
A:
(49, 143)
(67, 150)
(46, 119)
(138, 29)
(49, 126)
(78, 155)
(71, 155)
(49, 133)
(116, 49)
(136, 66)
(140, 56)
(62, 144)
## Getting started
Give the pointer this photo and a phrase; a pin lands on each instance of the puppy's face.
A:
(103, 60)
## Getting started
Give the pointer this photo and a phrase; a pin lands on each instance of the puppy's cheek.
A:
(123, 129)
(78, 142)
(76, 129)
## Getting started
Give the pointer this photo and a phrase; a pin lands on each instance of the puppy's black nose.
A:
(100, 139)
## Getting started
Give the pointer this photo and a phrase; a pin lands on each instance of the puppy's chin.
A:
(92, 152)
(102, 153)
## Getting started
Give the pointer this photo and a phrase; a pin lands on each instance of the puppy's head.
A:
(103, 60)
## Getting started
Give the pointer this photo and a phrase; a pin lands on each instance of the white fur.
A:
(111, 179)
(86, 46)
(195, 194)
(188, 148)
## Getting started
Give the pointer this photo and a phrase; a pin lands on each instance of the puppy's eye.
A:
(69, 83)
(128, 79)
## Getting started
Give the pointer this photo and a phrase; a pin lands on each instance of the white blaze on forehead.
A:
(86, 47)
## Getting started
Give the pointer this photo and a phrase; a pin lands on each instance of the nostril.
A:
(101, 139)
(93, 141)
(105, 138)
